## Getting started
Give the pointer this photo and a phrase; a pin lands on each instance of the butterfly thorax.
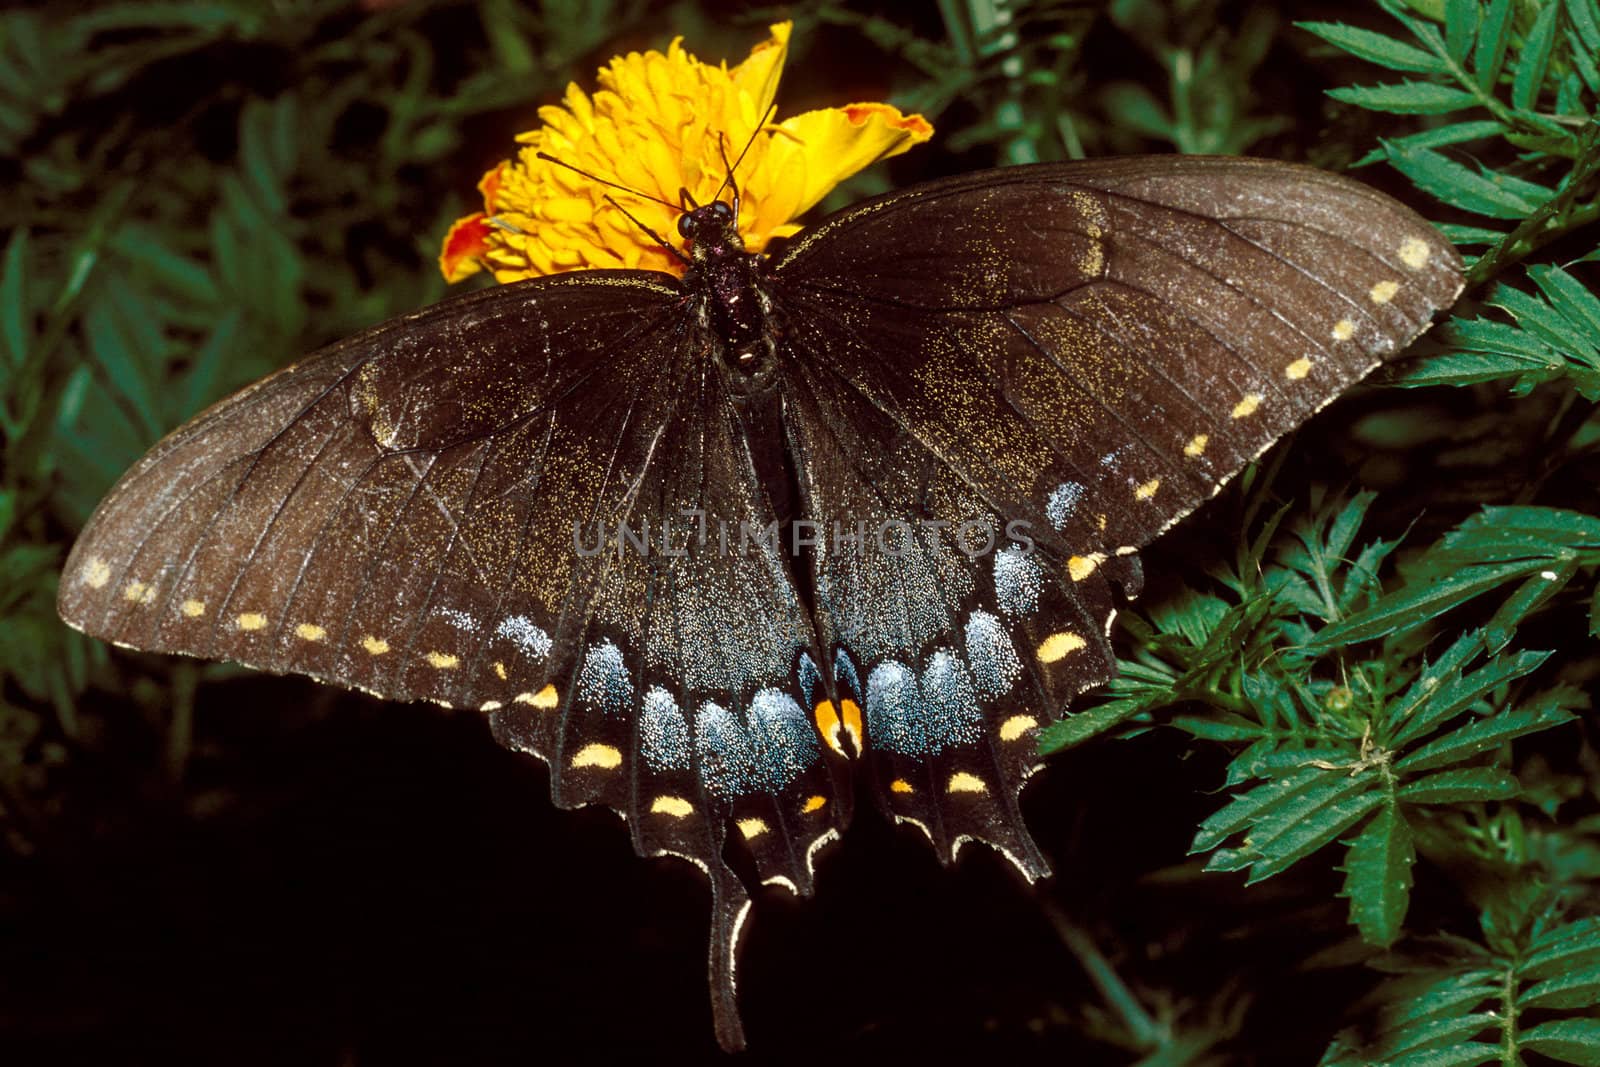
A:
(731, 288)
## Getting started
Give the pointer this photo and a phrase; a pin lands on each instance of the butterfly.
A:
(727, 550)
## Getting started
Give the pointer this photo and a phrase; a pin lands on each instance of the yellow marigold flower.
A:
(654, 126)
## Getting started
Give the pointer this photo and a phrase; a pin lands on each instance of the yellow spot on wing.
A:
(490, 705)
(139, 593)
(377, 646)
(677, 807)
(500, 670)
(1343, 330)
(1298, 369)
(310, 631)
(443, 661)
(193, 608)
(95, 573)
(1196, 446)
(1247, 406)
(1016, 726)
(1383, 292)
(900, 785)
(815, 802)
(752, 828)
(962, 782)
(850, 714)
(1059, 646)
(1147, 490)
(251, 620)
(603, 756)
(1414, 253)
(833, 723)
(1080, 567)
(544, 699)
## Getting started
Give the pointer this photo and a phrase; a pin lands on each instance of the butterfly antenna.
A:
(596, 178)
(729, 168)
(653, 234)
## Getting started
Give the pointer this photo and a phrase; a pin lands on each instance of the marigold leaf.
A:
(1534, 58)
(1247, 807)
(1416, 605)
(1526, 599)
(1493, 36)
(1493, 194)
(1578, 988)
(1463, 785)
(1454, 133)
(1585, 18)
(1376, 47)
(1481, 736)
(1303, 836)
(1441, 1033)
(1460, 28)
(1566, 1041)
(1457, 1056)
(1406, 98)
(1564, 949)
(1378, 876)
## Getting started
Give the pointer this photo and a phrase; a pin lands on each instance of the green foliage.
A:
(1391, 689)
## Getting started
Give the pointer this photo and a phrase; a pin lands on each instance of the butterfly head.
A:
(712, 231)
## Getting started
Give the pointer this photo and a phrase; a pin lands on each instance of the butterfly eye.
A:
(686, 226)
(723, 212)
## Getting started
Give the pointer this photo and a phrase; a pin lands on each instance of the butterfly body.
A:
(720, 548)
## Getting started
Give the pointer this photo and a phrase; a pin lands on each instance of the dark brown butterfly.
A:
(718, 548)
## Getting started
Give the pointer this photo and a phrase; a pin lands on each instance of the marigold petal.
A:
(465, 247)
(758, 75)
(838, 142)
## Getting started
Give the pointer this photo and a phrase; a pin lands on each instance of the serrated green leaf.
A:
(1493, 36)
(1494, 194)
(1571, 298)
(1378, 876)
(1579, 988)
(1247, 807)
(1460, 28)
(1462, 785)
(1481, 736)
(1468, 368)
(1585, 18)
(1525, 524)
(1536, 317)
(1306, 835)
(1534, 58)
(1460, 235)
(1440, 136)
(1079, 727)
(1527, 599)
(1420, 713)
(1376, 48)
(1416, 605)
(1582, 58)
(1458, 1056)
(1406, 98)
(1438, 1034)
(1443, 1000)
(1566, 1041)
